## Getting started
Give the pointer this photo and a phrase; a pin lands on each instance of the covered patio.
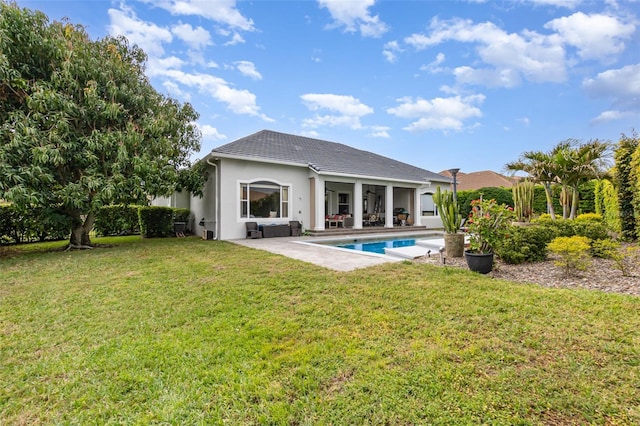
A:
(354, 204)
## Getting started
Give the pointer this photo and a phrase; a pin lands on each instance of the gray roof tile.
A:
(324, 156)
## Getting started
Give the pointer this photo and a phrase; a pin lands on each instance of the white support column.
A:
(388, 208)
(319, 203)
(357, 205)
(417, 208)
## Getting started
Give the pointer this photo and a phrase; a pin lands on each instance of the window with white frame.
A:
(264, 199)
(428, 206)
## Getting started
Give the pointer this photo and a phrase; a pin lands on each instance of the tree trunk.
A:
(574, 203)
(80, 232)
(565, 201)
(547, 192)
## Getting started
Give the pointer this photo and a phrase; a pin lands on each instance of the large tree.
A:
(81, 125)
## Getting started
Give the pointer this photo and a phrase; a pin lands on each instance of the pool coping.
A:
(335, 258)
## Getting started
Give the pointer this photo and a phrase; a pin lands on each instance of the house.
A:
(273, 178)
(481, 179)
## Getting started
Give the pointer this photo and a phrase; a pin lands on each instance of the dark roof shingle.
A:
(323, 156)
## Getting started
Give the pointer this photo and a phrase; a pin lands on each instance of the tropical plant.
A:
(488, 224)
(541, 168)
(448, 210)
(523, 200)
(577, 163)
(80, 124)
(572, 252)
(570, 163)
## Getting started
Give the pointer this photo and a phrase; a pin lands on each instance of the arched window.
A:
(264, 199)
(427, 205)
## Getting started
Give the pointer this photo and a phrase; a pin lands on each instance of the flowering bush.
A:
(488, 224)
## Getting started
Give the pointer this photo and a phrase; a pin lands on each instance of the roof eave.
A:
(256, 159)
(354, 176)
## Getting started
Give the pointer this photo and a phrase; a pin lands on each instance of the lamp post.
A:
(454, 173)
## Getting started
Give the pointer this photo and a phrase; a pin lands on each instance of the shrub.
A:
(625, 258)
(156, 221)
(591, 230)
(37, 224)
(589, 217)
(525, 244)
(559, 227)
(117, 220)
(573, 253)
(604, 249)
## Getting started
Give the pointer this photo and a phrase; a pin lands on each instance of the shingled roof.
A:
(482, 179)
(322, 156)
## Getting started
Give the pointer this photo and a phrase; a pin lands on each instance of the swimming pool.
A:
(377, 246)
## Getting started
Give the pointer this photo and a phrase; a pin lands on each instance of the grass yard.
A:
(186, 331)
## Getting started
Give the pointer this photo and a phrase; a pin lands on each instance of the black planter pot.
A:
(479, 262)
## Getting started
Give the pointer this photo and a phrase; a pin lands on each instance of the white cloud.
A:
(380, 132)
(221, 11)
(511, 57)
(148, 36)
(174, 91)
(209, 132)
(235, 39)
(345, 110)
(158, 66)
(354, 16)
(438, 113)
(248, 69)
(595, 36)
(622, 83)
(570, 4)
(434, 67)
(607, 116)
(525, 121)
(622, 86)
(238, 101)
(390, 49)
(196, 38)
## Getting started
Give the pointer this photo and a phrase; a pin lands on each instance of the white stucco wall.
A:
(235, 172)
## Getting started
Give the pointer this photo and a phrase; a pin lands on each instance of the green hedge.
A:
(117, 220)
(156, 222)
(38, 224)
(501, 195)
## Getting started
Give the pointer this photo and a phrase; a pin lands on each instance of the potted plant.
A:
(451, 220)
(487, 225)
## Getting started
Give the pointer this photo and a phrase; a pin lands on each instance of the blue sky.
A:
(437, 84)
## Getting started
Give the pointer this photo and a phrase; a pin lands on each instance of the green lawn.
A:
(186, 331)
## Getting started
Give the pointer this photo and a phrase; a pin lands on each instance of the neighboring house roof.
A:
(322, 156)
(483, 179)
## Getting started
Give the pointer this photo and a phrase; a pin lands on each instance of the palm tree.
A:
(578, 163)
(541, 168)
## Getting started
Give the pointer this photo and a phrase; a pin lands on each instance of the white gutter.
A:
(216, 199)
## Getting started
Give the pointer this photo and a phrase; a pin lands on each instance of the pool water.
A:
(377, 246)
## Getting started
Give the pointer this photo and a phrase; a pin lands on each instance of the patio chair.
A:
(296, 228)
(252, 230)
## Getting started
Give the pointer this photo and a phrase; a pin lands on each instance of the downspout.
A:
(216, 198)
